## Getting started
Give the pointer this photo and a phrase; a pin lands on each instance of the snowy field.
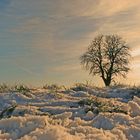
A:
(74, 114)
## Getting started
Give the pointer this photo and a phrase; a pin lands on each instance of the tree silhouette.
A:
(107, 56)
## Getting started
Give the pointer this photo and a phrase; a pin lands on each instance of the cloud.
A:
(74, 8)
(68, 68)
(28, 25)
(58, 31)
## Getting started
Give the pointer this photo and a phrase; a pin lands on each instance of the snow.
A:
(103, 122)
(81, 94)
(42, 115)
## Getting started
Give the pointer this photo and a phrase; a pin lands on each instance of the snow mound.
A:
(32, 127)
(58, 116)
(134, 109)
(103, 122)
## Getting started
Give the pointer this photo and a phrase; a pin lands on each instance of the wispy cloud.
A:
(55, 33)
(68, 68)
(28, 25)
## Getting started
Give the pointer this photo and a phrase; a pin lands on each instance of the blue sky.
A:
(41, 40)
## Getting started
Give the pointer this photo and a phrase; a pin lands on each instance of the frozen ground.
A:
(91, 114)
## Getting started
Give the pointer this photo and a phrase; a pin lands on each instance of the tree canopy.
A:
(107, 56)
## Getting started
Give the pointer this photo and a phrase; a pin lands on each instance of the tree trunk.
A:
(107, 81)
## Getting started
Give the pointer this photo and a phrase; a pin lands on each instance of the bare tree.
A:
(107, 56)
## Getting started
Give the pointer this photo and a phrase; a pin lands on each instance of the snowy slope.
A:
(42, 115)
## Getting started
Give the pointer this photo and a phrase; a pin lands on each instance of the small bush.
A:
(6, 113)
(52, 88)
(79, 87)
(4, 88)
(90, 101)
(118, 85)
(96, 105)
(22, 88)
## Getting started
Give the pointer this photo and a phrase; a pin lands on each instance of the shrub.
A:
(4, 88)
(79, 87)
(52, 87)
(7, 112)
(22, 88)
(96, 105)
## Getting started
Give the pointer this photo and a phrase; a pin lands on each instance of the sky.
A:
(41, 40)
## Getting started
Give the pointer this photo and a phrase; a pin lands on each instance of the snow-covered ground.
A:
(94, 114)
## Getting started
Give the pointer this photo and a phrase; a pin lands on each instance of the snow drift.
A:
(58, 116)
